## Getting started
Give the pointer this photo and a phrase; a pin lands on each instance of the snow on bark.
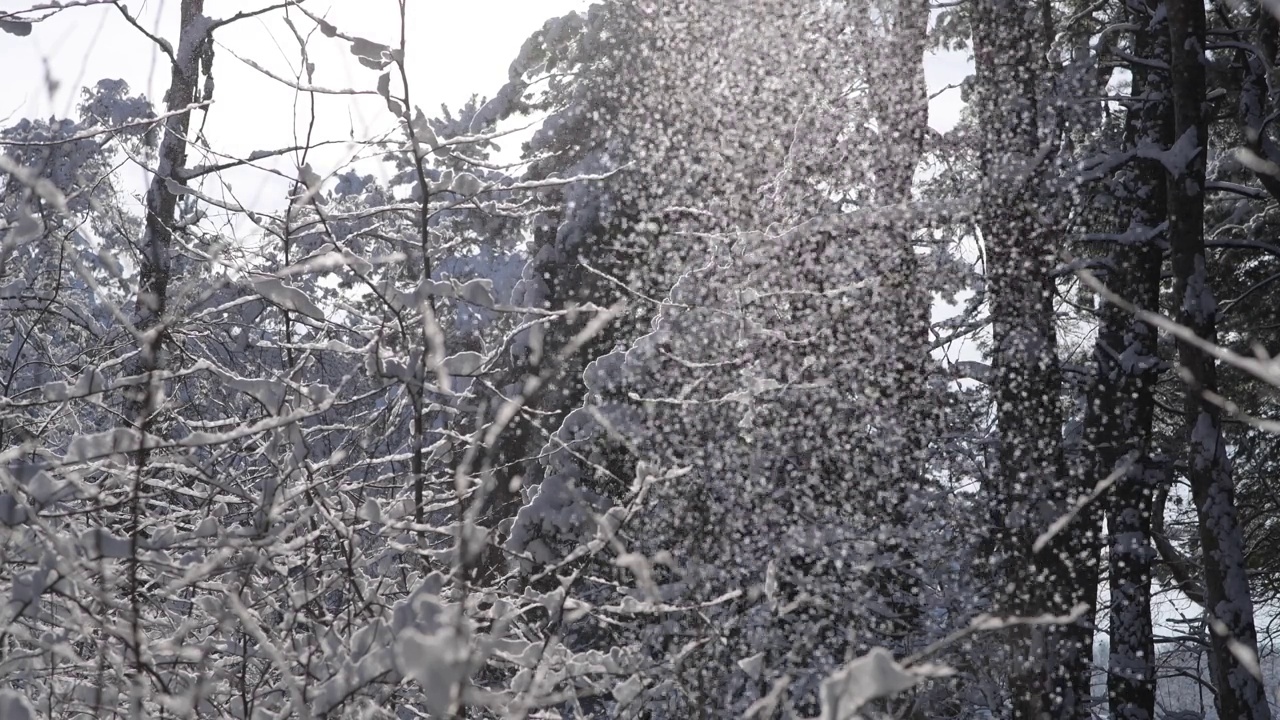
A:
(155, 248)
(1239, 693)
(1120, 412)
(1048, 667)
(161, 200)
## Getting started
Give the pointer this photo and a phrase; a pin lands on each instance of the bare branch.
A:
(160, 42)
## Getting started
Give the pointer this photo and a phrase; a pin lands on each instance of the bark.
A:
(902, 296)
(1049, 667)
(1122, 406)
(1255, 95)
(162, 202)
(1185, 575)
(1229, 606)
(154, 269)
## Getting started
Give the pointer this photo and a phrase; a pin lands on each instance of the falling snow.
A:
(734, 358)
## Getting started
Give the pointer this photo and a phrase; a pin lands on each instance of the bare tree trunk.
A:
(1228, 605)
(1049, 666)
(901, 417)
(1122, 404)
(162, 202)
(141, 404)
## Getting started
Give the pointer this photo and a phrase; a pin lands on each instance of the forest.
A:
(689, 373)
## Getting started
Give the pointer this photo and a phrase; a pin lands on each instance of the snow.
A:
(752, 665)
(464, 363)
(95, 446)
(438, 662)
(872, 676)
(105, 544)
(1177, 159)
(12, 512)
(288, 298)
(627, 691)
(467, 185)
(753, 487)
(15, 706)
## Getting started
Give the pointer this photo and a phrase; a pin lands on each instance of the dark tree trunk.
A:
(902, 296)
(1049, 670)
(1121, 409)
(1229, 608)
(1256, 105)
(162, 202)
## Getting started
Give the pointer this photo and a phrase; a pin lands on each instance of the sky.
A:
(454, 49)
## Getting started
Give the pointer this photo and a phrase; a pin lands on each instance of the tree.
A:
(665, 418)
(1031, 492)
(1227, 597)
(1121, 405)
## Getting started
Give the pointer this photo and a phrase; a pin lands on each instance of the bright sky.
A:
(454, 49)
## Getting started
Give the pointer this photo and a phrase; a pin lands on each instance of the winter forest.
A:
(688, 373)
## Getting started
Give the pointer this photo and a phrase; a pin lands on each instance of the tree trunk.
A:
(162, 202)
(141, 402)
(1049, 670)
(1256, 94)
(1122, 407)
(1229, 608)
(902, 296)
